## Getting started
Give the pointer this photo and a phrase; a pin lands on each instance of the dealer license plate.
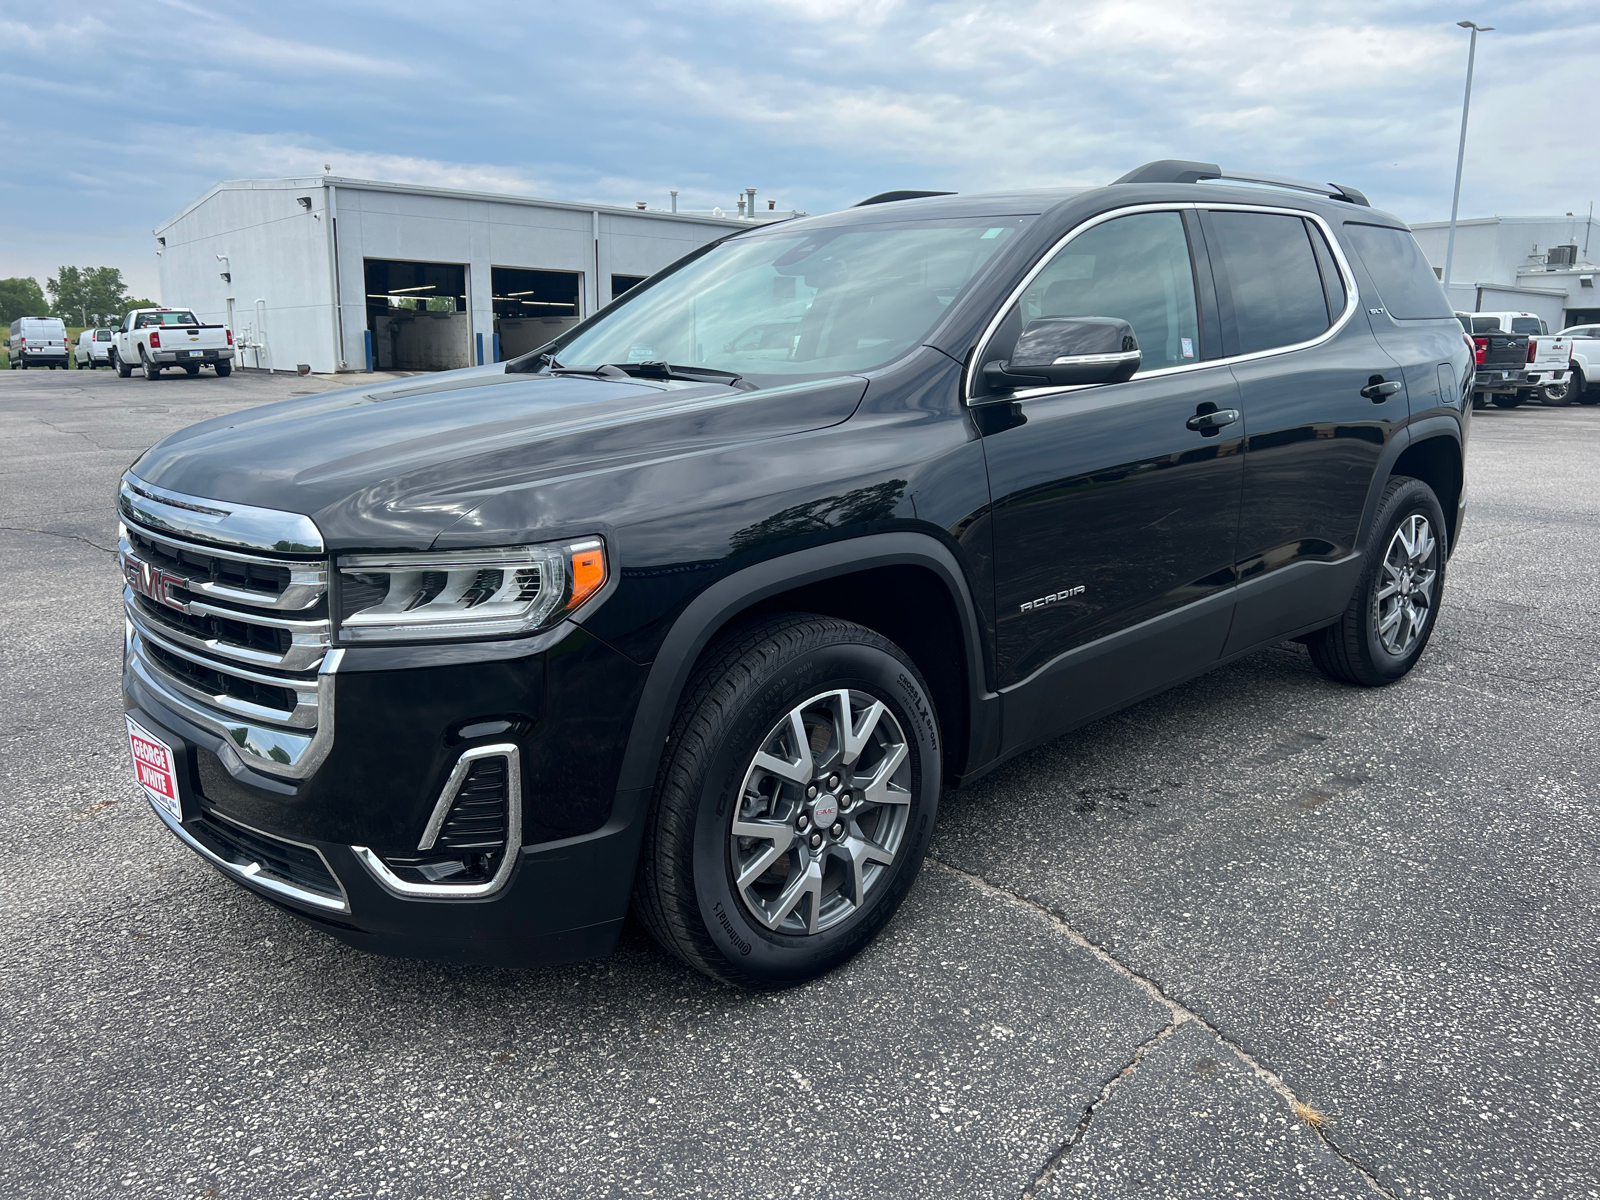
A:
(155, 768)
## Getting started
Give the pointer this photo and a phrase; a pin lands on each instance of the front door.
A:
(1110, 512)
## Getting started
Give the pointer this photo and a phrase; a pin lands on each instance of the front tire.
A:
(224, 369)
(1391, 615)
(1507, 401)
(1582, 390)
(794, 805)
(124, 371)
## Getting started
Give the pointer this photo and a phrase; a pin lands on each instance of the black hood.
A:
(392, 467)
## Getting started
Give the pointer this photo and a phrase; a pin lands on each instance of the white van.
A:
(37, 342)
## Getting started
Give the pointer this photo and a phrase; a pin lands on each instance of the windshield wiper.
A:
(661, 370)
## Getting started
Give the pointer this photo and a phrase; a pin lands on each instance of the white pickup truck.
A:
(1583, 385)
(153, 338)
(1549, 360)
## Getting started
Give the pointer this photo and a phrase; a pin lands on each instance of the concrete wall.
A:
(277, 252)
(284, 256)
(1499, 253)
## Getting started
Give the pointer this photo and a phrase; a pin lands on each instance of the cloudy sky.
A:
(113, 120)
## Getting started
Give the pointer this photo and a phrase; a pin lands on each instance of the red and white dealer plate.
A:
(155, 768)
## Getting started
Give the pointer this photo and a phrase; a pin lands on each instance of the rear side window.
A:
(1485, 324)
(1271, 273)
(1527, 325)
(1405, 282)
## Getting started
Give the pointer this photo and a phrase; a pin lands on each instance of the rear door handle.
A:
(1210, 422)
(1378, 391)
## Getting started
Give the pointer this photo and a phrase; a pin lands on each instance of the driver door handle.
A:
(1212, 421)
(1378, 391)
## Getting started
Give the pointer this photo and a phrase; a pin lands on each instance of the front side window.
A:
(1136, 268)
(1269, 268)
(1409, 288)
(797, 303)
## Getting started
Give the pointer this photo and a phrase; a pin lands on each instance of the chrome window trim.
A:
(254, 873)
(408, 890)
(1352, 297)
(242, 526)
(270, 749)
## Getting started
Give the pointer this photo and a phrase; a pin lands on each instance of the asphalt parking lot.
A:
(1135, 951)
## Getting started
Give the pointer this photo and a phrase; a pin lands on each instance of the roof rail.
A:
(891, 197)
(1177, 170)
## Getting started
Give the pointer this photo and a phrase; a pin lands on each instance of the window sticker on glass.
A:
(1188, 347)
(991, 233)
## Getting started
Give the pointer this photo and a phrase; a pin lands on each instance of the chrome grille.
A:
(236, 637)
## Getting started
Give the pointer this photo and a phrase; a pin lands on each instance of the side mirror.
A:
(1058, 351)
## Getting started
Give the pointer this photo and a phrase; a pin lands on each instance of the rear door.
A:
(1114, 520)
(1312, 388)
(1409, 315)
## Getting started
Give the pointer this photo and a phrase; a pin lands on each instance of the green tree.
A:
(21, 298)
(80, 295)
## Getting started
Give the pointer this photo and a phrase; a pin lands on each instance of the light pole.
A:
(1461, 148)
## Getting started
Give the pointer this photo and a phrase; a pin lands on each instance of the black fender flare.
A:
(1422, 430)
(711, 609)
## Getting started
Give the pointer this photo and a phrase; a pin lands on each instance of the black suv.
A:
(699, 608)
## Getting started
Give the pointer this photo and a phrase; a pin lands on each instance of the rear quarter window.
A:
(1406, 283)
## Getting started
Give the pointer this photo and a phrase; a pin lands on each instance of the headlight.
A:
(465, 593)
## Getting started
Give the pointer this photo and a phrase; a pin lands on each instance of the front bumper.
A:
(181, 356)
(405, 718)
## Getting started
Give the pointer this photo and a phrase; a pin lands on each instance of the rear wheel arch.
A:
(859, 580)
(1436, 460)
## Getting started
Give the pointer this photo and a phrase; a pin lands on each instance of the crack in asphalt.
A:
(52, 533)
(1180, 1015)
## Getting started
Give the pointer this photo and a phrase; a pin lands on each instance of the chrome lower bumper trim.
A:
(253, 873)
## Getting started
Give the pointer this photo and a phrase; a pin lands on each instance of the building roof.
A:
(376, 185)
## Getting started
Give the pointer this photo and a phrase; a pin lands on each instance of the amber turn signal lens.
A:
(588, 573)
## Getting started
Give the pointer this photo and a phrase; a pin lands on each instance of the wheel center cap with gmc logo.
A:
(825, 811)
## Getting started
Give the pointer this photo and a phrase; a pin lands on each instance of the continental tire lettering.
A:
(727, 927)
(919, 706)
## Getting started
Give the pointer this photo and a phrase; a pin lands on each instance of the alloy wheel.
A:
(1405, 595)
(823, 811)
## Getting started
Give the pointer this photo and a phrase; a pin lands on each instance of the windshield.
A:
(802, 303)
(176, 316)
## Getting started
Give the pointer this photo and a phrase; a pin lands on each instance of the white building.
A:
(354, 275)
(1543, 265)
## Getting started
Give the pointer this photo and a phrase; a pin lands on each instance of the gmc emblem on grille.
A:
(153, 582)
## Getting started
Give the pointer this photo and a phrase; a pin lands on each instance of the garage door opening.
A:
(622, 283)
(532, 308)
(417, 315)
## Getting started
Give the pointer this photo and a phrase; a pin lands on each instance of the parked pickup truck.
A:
(1502, 362)
(670, 616)
(1584, 382)
(153, 338)
(1549, 359)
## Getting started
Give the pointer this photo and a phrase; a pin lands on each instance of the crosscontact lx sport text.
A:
(698, 609)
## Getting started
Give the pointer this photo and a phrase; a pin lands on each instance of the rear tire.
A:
(224, 369)
(1391, 614)
(808, 910)
(149, 368)
(1556, 395)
